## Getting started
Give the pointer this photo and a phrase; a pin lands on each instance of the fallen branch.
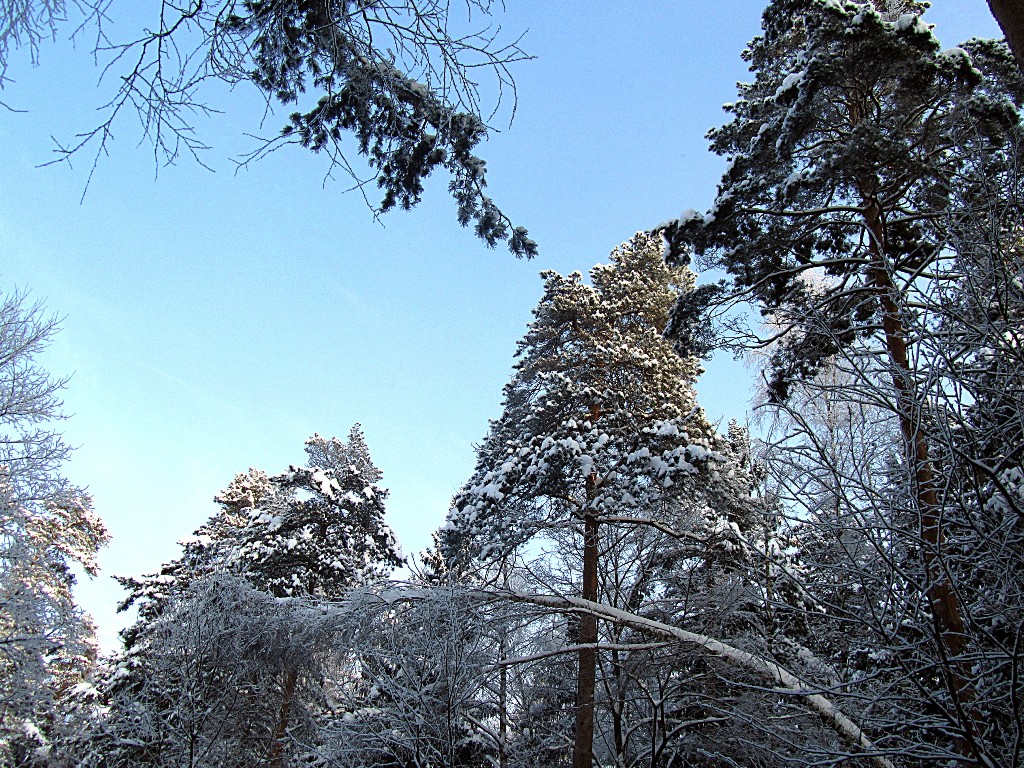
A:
(785, 681)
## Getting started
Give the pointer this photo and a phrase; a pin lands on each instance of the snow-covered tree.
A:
(315, 530)
(226, 675)
(863, 163)
(47, 528)
(392, 86)
(414, 684)
(970, 332)
(600, 419)
(601, 440)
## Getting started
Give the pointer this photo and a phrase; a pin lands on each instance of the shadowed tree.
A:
(1010, 16)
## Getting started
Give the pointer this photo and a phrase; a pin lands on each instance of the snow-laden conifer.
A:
(602, 450)
(312, 530)
(871, 172)
(600, 418)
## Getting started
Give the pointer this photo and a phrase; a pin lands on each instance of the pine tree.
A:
(600, 430)
(1010, 17)
(315, 531)
(854, 155)
(396, 84)
(855, 134)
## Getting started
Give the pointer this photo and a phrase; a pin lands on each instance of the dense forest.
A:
(620, 582)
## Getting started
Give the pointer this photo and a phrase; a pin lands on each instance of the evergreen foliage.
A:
(603, 463)
(857, 132)
(225, 664)
(396, 84)
(600, 417)
(869, 211)
(616, 581)
(316, 530)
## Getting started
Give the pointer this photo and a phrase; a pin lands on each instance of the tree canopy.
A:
(394, 86)
(619, 579)
(47, 528)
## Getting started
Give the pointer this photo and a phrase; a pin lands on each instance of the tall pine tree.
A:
(853, 155)
(601, 432)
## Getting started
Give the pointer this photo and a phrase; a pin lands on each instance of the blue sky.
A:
(213, 321)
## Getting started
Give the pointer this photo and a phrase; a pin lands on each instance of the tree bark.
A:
(1010, 15)
(586, 676)
(277, 748)
(503, 711)
(618, 704)
(583, 745)
(945, 608)
(941, 598)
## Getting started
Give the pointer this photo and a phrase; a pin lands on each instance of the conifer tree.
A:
(600, 430)
(1010, 17)
(854, 155)
(315, 531)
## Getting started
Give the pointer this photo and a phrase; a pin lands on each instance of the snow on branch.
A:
(785, 681)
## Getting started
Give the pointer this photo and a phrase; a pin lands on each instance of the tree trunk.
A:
(503, 684)
(945, 609)
(1010, 15)
(583, 746)
(586, 676)
(618, 705)
(503, 711)
(767, 669)
(281, 731)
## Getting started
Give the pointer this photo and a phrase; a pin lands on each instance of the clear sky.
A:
(214, 321)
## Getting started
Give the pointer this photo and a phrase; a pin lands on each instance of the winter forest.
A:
(621, 582)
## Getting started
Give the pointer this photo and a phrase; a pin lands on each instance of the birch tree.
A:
(47, 529)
